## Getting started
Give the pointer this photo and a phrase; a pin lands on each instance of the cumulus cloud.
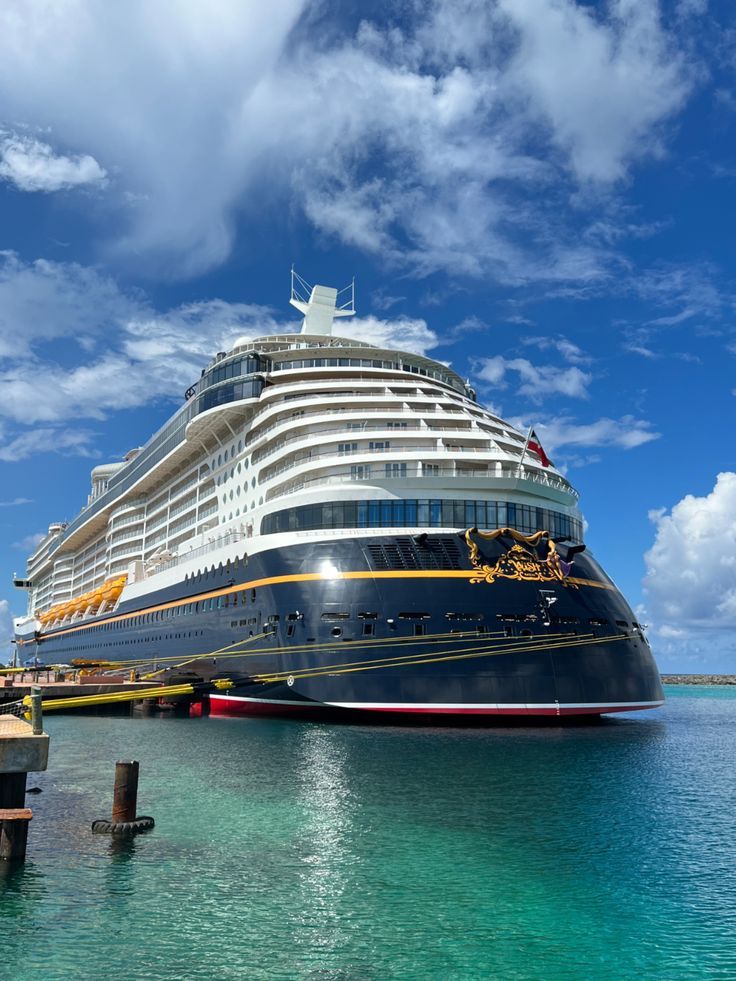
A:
(536, 381)
(423, 141)
(32, 165)
(41, 301)
(403, 333)
(30, 443)
(691, 567)
(602, 87)
(624, 433)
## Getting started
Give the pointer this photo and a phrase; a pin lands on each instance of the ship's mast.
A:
(320, 304)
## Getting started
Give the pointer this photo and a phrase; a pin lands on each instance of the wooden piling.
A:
(14, 833)
(125, 792)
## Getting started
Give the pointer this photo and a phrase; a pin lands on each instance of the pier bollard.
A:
(36, 711)
(124, 804)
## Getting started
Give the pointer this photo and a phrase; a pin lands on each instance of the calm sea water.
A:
(290, 850)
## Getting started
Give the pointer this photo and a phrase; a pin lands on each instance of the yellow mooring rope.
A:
(80, 701)
(355, 666)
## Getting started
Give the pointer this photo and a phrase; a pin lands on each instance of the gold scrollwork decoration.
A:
(518, 563)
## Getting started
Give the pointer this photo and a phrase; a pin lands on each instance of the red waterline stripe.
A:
(234, 704)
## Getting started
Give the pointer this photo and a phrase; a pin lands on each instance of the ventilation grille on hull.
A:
(405, 553)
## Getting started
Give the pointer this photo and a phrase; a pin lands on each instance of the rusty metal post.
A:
(125, 794)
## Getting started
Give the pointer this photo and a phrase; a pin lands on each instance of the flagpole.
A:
(523, 452)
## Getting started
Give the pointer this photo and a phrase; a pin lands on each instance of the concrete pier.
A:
(21, 752)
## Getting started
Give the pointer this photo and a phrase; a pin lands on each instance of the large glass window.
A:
(413, 513)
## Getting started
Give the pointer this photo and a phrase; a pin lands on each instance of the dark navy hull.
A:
(386, 625)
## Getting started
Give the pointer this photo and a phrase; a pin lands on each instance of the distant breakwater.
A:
(699, 679)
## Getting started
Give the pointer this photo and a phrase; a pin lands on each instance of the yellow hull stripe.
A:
(303, 577)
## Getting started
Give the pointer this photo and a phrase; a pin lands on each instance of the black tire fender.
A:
(123, 827)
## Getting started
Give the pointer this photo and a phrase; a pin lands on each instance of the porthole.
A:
(336, 631)
(240, 446)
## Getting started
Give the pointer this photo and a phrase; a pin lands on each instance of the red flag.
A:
(536, 447)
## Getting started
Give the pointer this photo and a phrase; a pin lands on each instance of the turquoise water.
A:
(336, 853)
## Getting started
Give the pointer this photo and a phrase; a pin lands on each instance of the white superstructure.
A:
(293, 434)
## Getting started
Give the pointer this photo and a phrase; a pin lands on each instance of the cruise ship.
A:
(341, 530)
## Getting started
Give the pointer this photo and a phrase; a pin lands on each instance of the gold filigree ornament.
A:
(519, 563)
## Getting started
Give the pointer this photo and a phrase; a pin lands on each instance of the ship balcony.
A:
(206, 511)
(128, 551)
(114, 540)
(183, 506)
(157, 522)
(136, 505)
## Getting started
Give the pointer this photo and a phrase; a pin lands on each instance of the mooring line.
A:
(355, 666)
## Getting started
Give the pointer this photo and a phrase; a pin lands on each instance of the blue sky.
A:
(540, 192)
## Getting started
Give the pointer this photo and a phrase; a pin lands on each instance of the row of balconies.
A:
(388, 426)
(301, 417)
(378, 446)
(422, 470)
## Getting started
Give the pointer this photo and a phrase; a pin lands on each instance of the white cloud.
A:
(569, 351)
(426, 144)
(32, 165)
(15, 502)
(6, 632)
(537, 381)
(29, 542)
(602, 86)
(42, 300)
(30, 443)
(403, 333)
(691, 567)
(624, 433)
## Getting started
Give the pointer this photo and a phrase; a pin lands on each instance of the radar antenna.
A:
(320, 304)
